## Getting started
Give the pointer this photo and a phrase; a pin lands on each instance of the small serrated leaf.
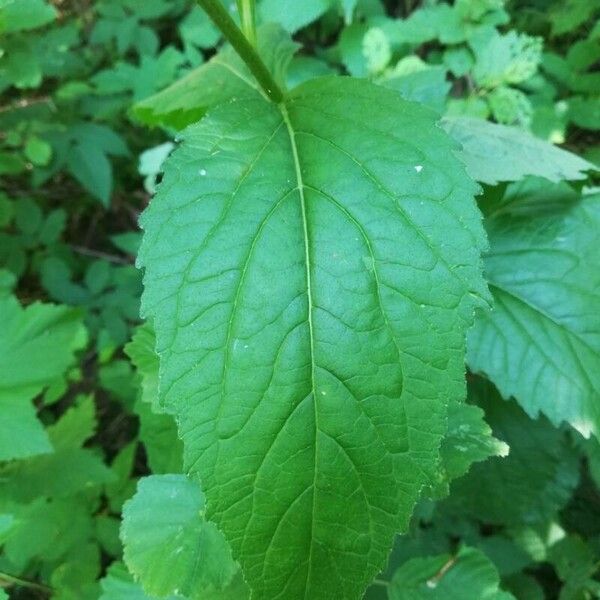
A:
(169, 545)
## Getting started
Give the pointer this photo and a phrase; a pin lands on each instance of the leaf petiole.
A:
(220, 17)
(248, 19)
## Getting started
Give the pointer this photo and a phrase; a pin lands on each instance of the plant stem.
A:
(247, 17)
(12, 580)
(215, 10)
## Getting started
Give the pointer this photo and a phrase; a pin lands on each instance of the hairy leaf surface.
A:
(541, 341)
(311, 269)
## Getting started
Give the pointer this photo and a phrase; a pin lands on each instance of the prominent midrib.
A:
(301, 188)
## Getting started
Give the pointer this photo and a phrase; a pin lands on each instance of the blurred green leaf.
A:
(539, 474)
(37, 345)
(22, 15)
(494, 153)
(469, 574)
(292, 15)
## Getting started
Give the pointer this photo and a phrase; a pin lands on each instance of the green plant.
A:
(370, 361)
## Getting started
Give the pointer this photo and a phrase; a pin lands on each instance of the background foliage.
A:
(82, 139)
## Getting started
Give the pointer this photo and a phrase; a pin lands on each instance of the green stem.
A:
(12, 580)
(215, 10)
(248, 19)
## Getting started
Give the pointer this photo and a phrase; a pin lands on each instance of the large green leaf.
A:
(37, 345)
(541, 341)
(311, 269)
(469, 574)
(494, 153)
(168, 544)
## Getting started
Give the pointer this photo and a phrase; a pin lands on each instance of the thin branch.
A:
(433, 581)
(32, 585)
(103, 255)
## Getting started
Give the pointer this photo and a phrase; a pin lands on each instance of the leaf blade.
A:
(533, 345)
(281, 378)
(493, 153)
(37, 345)
(223, 77)
(469, 574)
(167, 543)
